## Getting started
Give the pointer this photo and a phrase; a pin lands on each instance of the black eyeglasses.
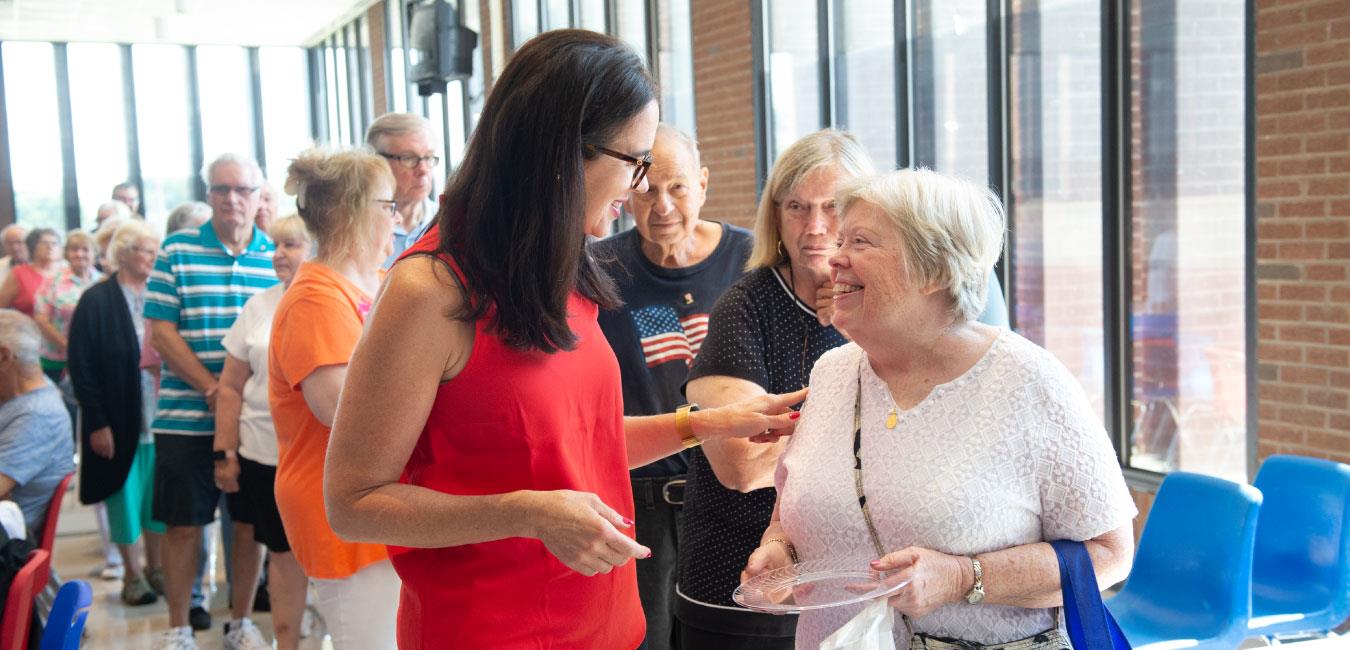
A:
(640, 165)
(225, 190)
(411, 161)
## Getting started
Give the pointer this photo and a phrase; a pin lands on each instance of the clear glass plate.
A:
(816, 584)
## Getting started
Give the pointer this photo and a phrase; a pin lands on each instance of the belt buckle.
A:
(665, 492)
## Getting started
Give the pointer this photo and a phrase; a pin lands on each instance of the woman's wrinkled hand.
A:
(935, 579)
(768, 557)
(582, 532)
(101, 442)
(761, 419)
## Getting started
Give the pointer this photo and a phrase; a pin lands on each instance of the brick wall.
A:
(1303, 226)
(723, 95)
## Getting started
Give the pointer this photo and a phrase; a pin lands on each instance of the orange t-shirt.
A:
(317, 324)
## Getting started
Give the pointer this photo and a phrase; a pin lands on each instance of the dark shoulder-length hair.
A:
(513, 217)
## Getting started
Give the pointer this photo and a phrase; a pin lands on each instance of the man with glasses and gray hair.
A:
(405, 140)
(201, 280)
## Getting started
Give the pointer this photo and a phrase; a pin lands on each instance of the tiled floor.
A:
(114, 626)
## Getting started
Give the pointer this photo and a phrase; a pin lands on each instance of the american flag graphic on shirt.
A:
(668, 337)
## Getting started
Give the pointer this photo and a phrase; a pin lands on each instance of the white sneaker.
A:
(178, 638)
(245, 636)
(111, 572)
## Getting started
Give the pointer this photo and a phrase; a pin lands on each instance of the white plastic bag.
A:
(869, 630)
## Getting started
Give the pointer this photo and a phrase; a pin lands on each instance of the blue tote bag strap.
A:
(1090, 624)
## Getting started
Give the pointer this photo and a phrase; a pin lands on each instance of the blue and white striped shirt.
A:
(201, 287)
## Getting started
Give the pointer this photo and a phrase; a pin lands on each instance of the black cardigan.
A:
(104, 362)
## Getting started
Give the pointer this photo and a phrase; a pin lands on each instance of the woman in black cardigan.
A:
(117, 454)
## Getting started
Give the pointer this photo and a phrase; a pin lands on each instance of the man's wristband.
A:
(222, 454)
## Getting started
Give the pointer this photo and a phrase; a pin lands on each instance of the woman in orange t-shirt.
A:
(346, 200)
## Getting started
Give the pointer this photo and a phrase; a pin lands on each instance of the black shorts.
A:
(185, 480)
(256, 503)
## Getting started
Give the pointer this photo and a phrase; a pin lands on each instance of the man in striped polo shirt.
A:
(200, 283)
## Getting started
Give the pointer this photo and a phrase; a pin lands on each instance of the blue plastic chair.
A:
(1192, 578)
(1301, 567)
(65, 623)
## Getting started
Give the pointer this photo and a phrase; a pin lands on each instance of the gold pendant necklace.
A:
(892, 418)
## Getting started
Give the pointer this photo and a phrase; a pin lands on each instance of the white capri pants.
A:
(361, 610)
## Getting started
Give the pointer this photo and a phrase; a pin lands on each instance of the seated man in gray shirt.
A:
(36, 446)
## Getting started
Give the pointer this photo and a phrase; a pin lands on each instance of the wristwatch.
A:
(683, 427)
(977, 590)
(221, 454)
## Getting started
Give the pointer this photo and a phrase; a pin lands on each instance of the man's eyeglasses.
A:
(411, 161)
(225, 190)
(640, 165)
(390, 205)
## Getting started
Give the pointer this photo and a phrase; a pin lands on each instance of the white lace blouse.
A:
(1008, 453)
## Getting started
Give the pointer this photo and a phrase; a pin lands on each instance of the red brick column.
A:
(1303, 226)
(723, 96)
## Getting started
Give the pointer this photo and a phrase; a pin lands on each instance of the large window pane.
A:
(1188, 246)
(524, 21)
(559, 14)
(162, 117)
(334, 131)
(866, 76)
(631, 27)
(676, 64)
(285, 78)
(950, 91)
(794, 73)
(592, 15)
(34, 133)
(99, 123)
(227, 101)
(398, 85)
(339, 83)
(454, 129)
(1055, 80)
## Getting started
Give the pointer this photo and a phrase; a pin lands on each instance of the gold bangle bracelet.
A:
(792, 550)
(685, 428)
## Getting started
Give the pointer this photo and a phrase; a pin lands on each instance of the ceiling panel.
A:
(233, 22)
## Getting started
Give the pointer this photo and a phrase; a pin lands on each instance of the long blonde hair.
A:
(822, 149)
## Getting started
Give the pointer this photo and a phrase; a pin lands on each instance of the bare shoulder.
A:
(419, 301)
(421, 284)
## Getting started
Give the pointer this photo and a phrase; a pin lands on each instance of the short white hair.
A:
(20, 335)
(951, 230)
(119, 210)
(128, 235)
(12, 228)
(186, 212)
(247, 162)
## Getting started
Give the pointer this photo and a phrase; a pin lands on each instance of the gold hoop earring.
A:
(782, 252)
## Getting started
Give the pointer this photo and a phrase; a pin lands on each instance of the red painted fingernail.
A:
(795, 415)
(627, 521)
(649, 554)
(876, 564)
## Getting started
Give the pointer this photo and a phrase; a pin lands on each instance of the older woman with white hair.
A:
(940, 448)
(247, 440)
(117, 402)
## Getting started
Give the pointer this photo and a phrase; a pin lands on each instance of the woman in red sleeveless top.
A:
(480, 431)
(20, 288)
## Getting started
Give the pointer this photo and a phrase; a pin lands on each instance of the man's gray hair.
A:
(247, 162)
(20, 335)
(688, 141)
(184, 213)
(11, 228)
(391, 124)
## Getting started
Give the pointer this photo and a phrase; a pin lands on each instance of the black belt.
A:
(671, 488)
